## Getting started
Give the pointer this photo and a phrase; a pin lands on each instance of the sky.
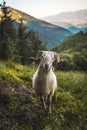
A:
(43, 8)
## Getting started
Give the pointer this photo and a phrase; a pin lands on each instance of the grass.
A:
(16, 73)
(22, 111)
(72, 95)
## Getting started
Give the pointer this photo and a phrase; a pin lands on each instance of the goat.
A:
(44, 80)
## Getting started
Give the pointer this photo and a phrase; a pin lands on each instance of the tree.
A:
(80, 61)
(7, 34)
(28, 43)
(7, 50)
(35, 43)
(7, 27)
(22, 44)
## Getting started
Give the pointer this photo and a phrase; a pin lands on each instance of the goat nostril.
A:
(46, 66)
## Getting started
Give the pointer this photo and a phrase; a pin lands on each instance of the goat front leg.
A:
(42, 99)
(49, 99)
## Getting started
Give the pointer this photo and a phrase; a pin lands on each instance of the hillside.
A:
(50, 34)
(20, 109)
(73, 51)
(17, 14)
(76, 19)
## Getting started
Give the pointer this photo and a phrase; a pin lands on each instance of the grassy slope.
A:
(16, 73)
(73, 50)
(20, 110)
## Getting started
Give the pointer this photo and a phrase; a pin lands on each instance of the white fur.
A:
(45, 82)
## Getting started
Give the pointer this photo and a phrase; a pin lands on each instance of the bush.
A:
(80, 61)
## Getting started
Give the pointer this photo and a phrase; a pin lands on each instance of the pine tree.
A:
(22, 44)
(28, 43)
(35, 43)
(7, 34)
(7, 50)
(6, 25)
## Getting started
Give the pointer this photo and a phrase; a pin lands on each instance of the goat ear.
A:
(32, 58)
(56, 58)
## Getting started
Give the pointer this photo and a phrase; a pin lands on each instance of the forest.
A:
(20, 108)
(17, 44)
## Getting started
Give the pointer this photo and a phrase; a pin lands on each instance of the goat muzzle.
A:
(46, 66)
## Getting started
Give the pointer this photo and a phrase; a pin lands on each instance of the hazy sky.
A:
(42, 8)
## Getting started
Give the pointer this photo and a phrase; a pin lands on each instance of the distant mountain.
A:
(50, 34)
(75, 29)
(77, 19)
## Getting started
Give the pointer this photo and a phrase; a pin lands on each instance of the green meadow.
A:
(20, 110)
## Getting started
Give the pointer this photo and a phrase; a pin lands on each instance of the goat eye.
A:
(43, 56)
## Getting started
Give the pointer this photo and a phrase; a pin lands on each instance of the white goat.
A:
(44, 80)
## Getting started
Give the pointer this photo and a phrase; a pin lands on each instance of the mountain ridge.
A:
(64, 19)
(49, 34)
(26, 16)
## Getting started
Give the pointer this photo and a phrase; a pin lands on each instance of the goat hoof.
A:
(49, 111)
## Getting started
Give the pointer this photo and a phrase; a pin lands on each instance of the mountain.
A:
(75, 29)
(50, 34)
(17, 15)
(76, 19)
